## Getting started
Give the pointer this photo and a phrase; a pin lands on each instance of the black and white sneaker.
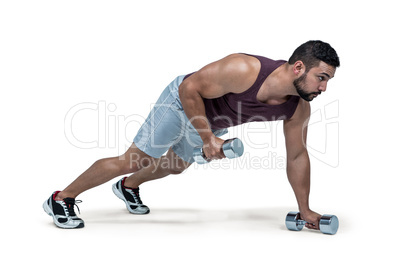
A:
(63, 212)
(131, 197)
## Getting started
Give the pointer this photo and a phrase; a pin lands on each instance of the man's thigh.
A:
(164, 125)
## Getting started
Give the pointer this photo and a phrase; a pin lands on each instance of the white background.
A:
(57, 54)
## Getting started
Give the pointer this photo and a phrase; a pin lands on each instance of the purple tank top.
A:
(233, 109)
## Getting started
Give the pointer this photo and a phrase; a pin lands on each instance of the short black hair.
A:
(314, 51)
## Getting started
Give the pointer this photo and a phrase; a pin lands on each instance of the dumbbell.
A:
(232, 148)
(328, 223)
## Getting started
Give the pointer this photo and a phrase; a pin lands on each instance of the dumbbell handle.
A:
(301, 222)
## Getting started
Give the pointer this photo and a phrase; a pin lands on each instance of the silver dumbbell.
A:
(328, 223)
(232, 148)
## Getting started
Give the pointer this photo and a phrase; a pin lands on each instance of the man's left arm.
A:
(298, 161)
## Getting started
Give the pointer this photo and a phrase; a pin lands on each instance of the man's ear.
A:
(299, 68)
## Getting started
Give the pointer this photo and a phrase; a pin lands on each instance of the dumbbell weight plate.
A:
(329, 224)
(233, 148)
(292, 221)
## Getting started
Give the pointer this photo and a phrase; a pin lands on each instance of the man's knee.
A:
(176, 170)
(134, 160)
(174, 164)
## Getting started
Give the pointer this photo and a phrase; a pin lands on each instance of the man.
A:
(196, 109)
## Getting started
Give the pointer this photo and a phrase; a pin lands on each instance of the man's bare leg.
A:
(106, 169)
(159, 168)
(127, 188)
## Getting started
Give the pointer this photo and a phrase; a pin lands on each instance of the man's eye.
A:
(321, 78)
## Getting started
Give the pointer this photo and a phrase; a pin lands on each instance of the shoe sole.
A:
(120, 196)
(49, 211)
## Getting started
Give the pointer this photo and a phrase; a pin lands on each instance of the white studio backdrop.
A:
(77, 78)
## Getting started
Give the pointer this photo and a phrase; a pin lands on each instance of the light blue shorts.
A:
(168, 126)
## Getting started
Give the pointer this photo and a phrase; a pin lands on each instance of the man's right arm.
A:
(235, 73)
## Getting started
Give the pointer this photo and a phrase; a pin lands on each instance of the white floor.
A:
(216, 233)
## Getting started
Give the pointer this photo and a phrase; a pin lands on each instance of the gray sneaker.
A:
(63, 212)
(131, 197)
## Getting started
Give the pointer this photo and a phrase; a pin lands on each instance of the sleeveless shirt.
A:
(233, 109)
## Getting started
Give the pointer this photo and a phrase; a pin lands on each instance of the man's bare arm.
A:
(298, 161)
(232, 74)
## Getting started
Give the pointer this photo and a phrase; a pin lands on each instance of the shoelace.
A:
(71, 202)
(137, 195)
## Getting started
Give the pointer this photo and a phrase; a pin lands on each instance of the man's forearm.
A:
(194, 109)
(298, 170)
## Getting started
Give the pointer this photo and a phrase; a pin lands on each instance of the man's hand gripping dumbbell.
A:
(328, 224)
(220, 149)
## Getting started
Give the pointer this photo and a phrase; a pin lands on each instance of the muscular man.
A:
(196, 109)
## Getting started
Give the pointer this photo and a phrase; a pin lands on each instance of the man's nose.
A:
(323, 87)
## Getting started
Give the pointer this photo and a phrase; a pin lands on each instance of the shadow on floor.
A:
(247, 218)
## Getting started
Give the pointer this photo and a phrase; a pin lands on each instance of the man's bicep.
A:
(205, 82)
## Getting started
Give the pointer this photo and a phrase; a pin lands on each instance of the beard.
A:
(300, 84)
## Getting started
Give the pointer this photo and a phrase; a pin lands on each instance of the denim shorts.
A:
(167, 126)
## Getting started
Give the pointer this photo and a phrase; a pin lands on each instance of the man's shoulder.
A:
(240, 59)
(261, 58)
